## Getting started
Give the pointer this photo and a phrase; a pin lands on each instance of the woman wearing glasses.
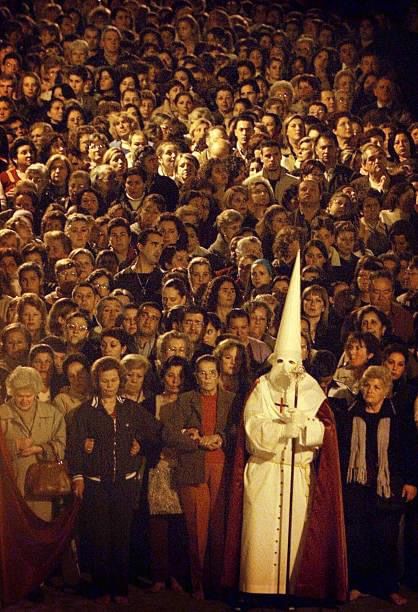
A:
(76, 336)
(205, 415)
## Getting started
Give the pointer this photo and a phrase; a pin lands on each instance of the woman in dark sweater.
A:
(379, 468)
(166, 527)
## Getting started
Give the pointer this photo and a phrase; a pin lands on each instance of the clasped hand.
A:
(294, 423)
(26, 447)
(210, 443)
(409, 492)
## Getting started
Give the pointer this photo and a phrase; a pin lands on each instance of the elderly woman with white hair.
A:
(378, 452)
(33, 430)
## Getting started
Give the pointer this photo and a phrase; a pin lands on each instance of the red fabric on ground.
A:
(29, 546)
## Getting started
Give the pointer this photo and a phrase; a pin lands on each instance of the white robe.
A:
(264, 540)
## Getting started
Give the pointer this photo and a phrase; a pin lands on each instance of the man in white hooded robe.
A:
(279, 419)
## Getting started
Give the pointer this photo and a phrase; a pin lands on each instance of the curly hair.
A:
(379, 372)
(283, 240)
(210, 297)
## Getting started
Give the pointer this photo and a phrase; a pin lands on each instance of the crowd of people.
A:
(161, 165)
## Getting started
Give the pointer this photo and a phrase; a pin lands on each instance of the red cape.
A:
(29, 546)
(323, 571)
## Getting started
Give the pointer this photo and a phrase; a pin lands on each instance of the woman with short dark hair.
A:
(361, 350)
(108, 433)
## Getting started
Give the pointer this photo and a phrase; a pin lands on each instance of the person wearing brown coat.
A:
(206, 415)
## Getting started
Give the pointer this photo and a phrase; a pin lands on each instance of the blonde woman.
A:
(293, 132)
(197, 133)
(378, 457)
(234, 365)
(121, 127)
(33, 431)
(116, 159)
(136, 368)
(167, 153)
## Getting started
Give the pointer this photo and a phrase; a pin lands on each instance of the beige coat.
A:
(48, 426)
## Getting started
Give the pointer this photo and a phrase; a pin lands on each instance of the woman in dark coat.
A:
(379, 472)
(167, 530)
(107, 435)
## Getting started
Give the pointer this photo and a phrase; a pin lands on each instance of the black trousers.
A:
(168, 540)
(372, 537)
(107, 515)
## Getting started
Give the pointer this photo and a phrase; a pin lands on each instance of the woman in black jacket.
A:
(379, 471)
(107, 435)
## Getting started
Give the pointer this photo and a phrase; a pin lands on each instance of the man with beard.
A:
(66, 274)
(193, 324)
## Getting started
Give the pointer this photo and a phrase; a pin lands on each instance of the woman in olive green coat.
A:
(33, 430)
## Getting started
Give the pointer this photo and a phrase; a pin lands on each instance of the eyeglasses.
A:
(146, 315)
(73, 327)
(191, 323)
(100, 286)
(209, 374)
(67, 272)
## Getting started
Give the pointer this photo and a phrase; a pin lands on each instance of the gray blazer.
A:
(188, 413)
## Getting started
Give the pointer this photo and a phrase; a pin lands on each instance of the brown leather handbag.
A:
(47, 479)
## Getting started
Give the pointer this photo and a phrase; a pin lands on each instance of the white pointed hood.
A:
(288, 344)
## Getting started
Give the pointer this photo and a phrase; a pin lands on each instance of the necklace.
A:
(143, 285)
